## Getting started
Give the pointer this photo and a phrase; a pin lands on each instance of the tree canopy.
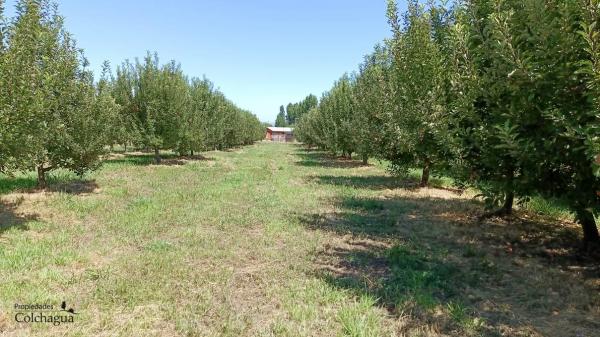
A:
(54, 115)
(500, 95)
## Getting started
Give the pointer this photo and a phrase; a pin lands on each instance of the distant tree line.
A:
(54, 115)
(289, 115)
(501, 95)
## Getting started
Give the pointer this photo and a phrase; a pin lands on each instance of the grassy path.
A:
(272, 240)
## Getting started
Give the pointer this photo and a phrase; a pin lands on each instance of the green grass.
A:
(551, 208)
(266, 240)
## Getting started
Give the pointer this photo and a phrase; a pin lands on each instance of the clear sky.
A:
(260, 53)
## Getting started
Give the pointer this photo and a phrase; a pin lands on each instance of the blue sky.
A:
(260, 53)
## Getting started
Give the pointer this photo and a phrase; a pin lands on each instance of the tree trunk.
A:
(509, 200)
(425, 174)
(41, 177)
(588, 224)
(349, 155)
(157, 155)
(365, 159)
(507, 208)
(191, 153)
(125, 145)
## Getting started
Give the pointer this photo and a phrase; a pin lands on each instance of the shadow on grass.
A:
(321, 159)
(425, 255)
(10, 218)
(317, 158)
(64, 183)
(76, 186)
(380, 182)
(377, 218)
(148, 159)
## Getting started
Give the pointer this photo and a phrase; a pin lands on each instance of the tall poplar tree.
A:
(280, 120)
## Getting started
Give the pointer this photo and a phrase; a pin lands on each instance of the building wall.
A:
(276, 136)
(282, 137)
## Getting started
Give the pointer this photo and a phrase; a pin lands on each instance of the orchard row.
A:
(502, 95)
(54, 115)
